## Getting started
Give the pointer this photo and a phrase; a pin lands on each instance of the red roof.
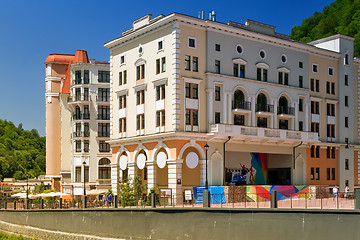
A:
(81, 57)
(60, 58)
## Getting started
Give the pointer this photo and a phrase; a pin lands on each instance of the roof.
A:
(59, 58)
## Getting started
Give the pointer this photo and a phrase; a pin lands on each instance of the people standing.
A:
(335, 191)
(347, 189)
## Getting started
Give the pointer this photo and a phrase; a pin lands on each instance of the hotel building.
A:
(272, 110)
(77, 122)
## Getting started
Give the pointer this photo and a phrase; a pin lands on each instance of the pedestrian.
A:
(335, 191)
(347, 189)
(109, 199)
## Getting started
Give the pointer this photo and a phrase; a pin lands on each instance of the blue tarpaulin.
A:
(216, 194)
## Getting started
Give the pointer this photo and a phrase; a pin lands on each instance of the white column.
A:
(295, 124)
(224, 113)
(230, 120)
(131, 171)
(210, 104)
(306, 117)
(253, 111)
(203, 172)
(114, 177)
(274, 123)
(151, 177)
(175, 174)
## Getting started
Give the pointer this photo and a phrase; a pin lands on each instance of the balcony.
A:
(104, 182)
(103, 98)
(241, 105)
(80, 116)
(103, 116)
(286, 111)
(79, 81)
(79, 98)
(256, 134)
(78, 134)
(266, 108)
(104, 134)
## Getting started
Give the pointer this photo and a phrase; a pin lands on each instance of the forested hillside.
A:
(21, 151)
(341, 16)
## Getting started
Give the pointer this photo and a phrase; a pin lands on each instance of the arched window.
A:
(283, 106)
(104, 168)
(239, 99)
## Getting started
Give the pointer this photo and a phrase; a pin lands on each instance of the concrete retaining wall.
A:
(191, 223)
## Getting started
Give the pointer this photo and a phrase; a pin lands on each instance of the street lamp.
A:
(27, 190)
(206, 193)
(84, 197)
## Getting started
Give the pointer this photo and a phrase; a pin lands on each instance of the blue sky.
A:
(31, 30)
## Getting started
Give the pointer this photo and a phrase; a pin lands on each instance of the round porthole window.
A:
(262, 54)
(239, 49)
(141, 50)
(283, 58)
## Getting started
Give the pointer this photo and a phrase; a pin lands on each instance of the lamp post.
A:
(27, 190)
(206, 193)
(84, 197)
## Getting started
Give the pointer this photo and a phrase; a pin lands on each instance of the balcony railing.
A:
(101, 116)
(264, 108)
(104, 181)
(79, 116)
(103, 98)
(286, 110)
(241, 105)
(264, 133)
(104, 134)
(81, 134)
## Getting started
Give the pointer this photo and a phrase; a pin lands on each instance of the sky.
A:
(31, 30)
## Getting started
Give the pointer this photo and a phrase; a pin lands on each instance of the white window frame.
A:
(188, 38)
(120, 60)
(286, 59)
(162, 49)
(264, 53)
(239, 45)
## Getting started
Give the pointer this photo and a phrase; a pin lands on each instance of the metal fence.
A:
(244, 200)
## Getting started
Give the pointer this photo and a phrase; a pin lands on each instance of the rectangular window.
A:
(301, 104)
(157, 66)
(140, 72)
(217, 66)
(103, 112)
(262, 74)
(86, 145)
(191, 90)
(315, 68)
(328, 174)
(86, 130)
(331, 131)
(86, 173)
(332, 88)
(328, 152)
(77, 174)
(330, 109)
(187, 63)
(312, 174)
(312, 85)
(258, 74)
(103, 129)
(328, 87)
(195, 121)
(317, 173)
(346, 164)
(120, 79)
(78, 146)
(312, 151)
(332, 173)
(160, 118)
(280, 77)
(239, 120)
(104, 94)
(140, 97)
(333, 152)
(317, 85)
(301, 126)
(122, 59)
(77, 77)
(346, 101)
(300, 64)
(163, 64)
(122, 125)
(217, 117)
(346, 122)
(217, 93)
(242, 71)
(331, 71)
(104, 146)
(192, 42)
(346, 80)
(315, 107)
(104, 76)
(160, 45)
(160, 92)
(191, 117)
(301, 83)
(236, 70)
(122, 101)
(195, 64)
(317, 151)
(86, 77)
(140, 121)
(217, 47)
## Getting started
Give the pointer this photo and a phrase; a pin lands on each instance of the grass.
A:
(12, 237)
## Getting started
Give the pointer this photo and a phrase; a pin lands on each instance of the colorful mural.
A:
(262, 193)
(259, 163)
